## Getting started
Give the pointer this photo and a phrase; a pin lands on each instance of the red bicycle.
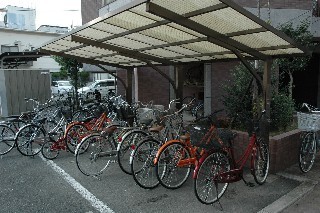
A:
(216, 170)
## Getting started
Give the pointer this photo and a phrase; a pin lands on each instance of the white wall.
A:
(30, 39)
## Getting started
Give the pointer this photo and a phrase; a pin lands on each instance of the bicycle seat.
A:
(108, 130)
(156, 129)
(184, 137)
(146, 122)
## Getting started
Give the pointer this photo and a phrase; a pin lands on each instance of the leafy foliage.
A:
(302, 36)
(240, 104)
(282, 109)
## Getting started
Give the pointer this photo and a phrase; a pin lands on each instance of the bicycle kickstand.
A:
(250, 184)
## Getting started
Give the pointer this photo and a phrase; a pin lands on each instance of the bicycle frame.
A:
(237, 165)
(187, 144)
(97, 125)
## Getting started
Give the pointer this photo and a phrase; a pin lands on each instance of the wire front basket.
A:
(308, 121)
(201, 137)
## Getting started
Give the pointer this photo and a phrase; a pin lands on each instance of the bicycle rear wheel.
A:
(207, 188)
(29, 139)
(49, 151)
(94, 154)
(128, 143)
(74, 135)
(169, 173)
(142, 166)
(261, 162)
(307, 153)
(6, 139)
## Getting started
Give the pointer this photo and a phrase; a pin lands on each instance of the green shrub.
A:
(282, 109)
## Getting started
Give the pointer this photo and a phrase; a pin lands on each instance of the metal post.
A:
(267, 98)
(207, 89)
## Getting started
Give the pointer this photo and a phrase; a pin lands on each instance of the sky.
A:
(62, 13)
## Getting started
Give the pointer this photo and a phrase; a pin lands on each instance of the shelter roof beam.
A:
(216, 37)
(122, 51)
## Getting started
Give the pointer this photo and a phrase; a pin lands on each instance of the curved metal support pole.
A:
(165, 76)
(109, 72)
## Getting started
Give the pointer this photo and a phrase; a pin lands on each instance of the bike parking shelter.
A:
(151, 33)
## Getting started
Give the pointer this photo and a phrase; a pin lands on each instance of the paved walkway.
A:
(309, 197)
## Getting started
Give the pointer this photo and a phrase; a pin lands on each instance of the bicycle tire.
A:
(307, 153)
(128, 143)
(74, 134)
(261, 162)
(206, 187)
(48, 151)
(98, 154)
(169, 174)
(29, 139)
(7, 142)
(142, 166)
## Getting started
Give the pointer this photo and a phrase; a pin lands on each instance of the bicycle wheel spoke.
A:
(261, 162)
(307, 152)
(170, 174)
(206, 185)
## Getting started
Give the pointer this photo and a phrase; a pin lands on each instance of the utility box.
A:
(18, 84)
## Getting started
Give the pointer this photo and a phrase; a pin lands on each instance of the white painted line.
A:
(95, 202)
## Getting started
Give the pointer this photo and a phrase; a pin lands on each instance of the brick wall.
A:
(153, 86)
(284, 149)
(220, 75)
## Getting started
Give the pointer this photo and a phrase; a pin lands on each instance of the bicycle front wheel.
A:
(94, 154)
(171, 172)
(74, 135)
(128, 143)
(50, 150)
(261, 162)
(308, 149)
(29, 139)
(6, 139)
(207, 187)
(142, 166)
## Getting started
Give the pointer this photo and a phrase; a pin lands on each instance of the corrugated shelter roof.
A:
(169, 32)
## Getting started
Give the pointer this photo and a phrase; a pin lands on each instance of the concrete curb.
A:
(285, 201)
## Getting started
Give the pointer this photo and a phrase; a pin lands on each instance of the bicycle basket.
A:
(199, 136)
(308, 121)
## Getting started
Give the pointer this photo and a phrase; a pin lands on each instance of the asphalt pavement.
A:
(37, 185)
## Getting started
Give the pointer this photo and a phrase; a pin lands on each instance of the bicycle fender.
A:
(155, 161)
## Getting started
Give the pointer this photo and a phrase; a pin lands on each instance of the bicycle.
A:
(97, 150)
(141, 160)
(215, 171)
(174, 158)
(30, 138)
(309, 123)
(6, 139)
(52, 147)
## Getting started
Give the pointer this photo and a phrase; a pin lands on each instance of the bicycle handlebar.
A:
(310, 108)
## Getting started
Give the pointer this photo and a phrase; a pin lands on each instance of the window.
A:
(316, 8)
